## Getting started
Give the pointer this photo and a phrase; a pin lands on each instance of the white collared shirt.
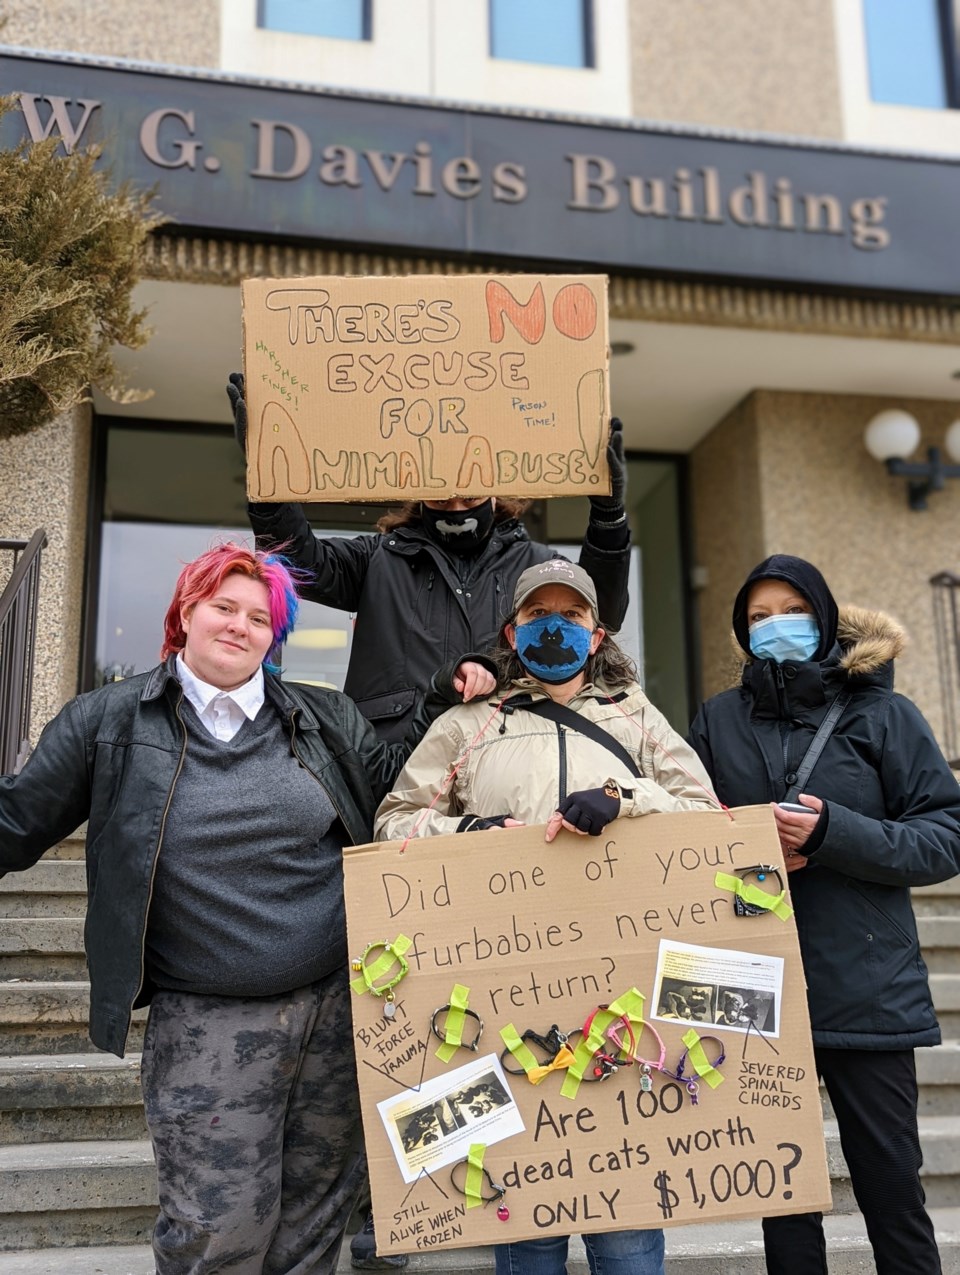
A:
(222, 712)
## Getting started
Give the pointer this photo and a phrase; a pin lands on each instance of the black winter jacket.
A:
(112, 757)
(891, 821)
(413, 609)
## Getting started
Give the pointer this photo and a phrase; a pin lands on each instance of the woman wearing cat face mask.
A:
(884, 815)
(613, 757)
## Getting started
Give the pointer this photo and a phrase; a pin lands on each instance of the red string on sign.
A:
(689, 773)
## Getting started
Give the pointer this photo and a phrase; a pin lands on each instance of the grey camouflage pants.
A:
(253, 1111)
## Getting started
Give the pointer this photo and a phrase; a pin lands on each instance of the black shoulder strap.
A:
(812, 755)
(575, 721)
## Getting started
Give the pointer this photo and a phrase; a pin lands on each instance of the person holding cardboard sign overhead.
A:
(569, 741)
(437, 578)
(866, 807)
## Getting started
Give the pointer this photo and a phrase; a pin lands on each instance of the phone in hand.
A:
(795, 808)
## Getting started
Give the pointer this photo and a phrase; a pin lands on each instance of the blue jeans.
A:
(608, 1253)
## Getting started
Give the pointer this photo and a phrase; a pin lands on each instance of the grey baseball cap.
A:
(555, 571)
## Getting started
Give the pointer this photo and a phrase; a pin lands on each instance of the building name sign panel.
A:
(241, 157)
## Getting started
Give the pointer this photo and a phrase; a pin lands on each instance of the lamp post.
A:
(893, 434)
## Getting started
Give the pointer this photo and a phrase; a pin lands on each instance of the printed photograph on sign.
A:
(735, 990)
(426, 387)
(435, 1126)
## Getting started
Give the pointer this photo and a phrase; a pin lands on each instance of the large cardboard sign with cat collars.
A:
(425, 387)
(597, 1034)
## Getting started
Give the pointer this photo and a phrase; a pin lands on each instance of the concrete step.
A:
(42, 948)
(938, 1077)
(72, 847)
(942, 899)
(940, 940)
(721, 1248)
(50, 1017)
(70, 1098)
(63, 1194)
(946, 992)
(52, 887)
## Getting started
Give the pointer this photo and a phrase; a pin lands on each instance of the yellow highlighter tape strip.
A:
(382, 965)
(775, 903)
(473, 1186)
(698, 1058)
(453, 1028)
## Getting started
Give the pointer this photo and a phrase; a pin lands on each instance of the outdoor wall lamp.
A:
(894, 434)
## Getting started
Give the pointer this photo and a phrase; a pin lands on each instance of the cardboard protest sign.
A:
(426, 386)
(501, 929)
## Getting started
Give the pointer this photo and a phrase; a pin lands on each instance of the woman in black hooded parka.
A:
(884, 816)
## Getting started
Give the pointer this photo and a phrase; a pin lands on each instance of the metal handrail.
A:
(946, 619)
(18, 641)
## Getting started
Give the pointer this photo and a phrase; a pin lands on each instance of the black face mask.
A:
(460, 530)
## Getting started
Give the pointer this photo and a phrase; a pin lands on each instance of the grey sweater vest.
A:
(248, 892)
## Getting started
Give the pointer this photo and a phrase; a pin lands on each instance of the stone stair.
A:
(77, 1182)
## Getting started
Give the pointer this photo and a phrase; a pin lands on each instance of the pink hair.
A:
(202, 579)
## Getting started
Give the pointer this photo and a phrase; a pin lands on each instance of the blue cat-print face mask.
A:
(785, 637)
(553, 648)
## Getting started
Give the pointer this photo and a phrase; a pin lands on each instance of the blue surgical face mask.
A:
(785, 637)
(553, 648)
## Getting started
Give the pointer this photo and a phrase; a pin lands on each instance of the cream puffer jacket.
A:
(518, 764)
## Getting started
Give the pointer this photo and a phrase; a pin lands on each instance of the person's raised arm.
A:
(335, 566)
(605, 552)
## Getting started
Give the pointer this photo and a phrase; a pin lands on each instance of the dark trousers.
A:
(253, 1110)
(874, 1097)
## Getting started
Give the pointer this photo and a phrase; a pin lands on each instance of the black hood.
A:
(806, 579)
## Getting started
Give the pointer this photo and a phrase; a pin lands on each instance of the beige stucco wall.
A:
(727, 531)
(175, 32)
(44, 479)
(765, 65)
(788, 473)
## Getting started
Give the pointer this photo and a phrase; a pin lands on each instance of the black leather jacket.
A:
(112, 757)
(416, 605)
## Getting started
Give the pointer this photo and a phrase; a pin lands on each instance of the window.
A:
(911, 52)
(167, 492)
(656, 632)
(337, 19)
(557, 32)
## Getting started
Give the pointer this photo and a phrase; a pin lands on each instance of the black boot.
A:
(363, 1251)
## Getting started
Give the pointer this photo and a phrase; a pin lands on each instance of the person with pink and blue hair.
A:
(218, 800)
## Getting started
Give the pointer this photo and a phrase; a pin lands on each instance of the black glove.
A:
(610, 508)
(591, 810)
(239, 406)
(473, 823)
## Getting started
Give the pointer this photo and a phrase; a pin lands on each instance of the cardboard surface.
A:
(542, 935)
(426, 386)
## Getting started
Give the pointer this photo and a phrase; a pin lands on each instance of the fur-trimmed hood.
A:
(867, 639)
